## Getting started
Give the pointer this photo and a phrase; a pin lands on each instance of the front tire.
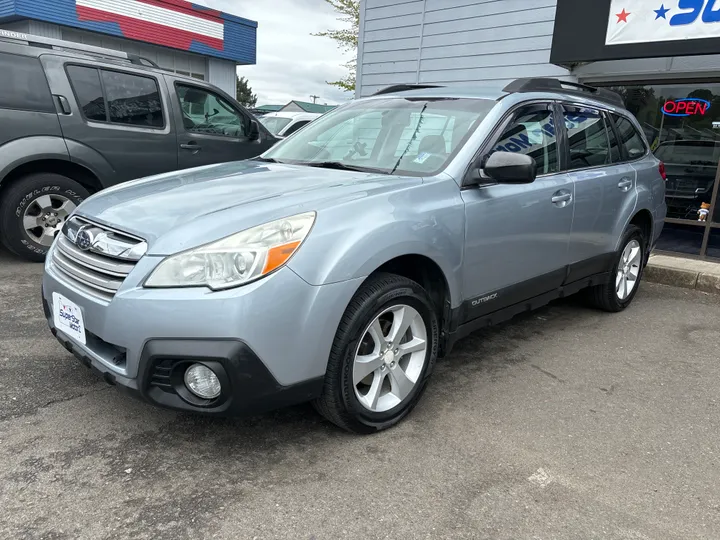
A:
(33, 209)
(624, 278)
(384, 352)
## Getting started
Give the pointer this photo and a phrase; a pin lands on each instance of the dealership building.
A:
(663, 59)
(181, 36)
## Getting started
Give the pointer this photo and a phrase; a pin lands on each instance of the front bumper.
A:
(270, 339)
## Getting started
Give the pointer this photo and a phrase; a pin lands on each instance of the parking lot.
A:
(567, 423)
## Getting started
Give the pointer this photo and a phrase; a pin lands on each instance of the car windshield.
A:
(416, 137)
(274, 124)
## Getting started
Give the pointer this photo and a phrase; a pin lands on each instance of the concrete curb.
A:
(685, 273)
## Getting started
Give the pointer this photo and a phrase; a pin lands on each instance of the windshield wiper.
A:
(267, 160)
(340, 166)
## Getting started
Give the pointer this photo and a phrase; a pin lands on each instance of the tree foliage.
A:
(346, 39)
(244, 93)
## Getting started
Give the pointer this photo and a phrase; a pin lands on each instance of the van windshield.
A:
(274, 124)
(416, 137)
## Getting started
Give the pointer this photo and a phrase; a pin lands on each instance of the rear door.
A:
(604, 186)
(212, 128)
(119, 115)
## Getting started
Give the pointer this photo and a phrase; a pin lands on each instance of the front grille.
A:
(95, 270)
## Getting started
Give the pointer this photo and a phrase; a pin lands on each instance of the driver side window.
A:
(207, 113)
(532, 132)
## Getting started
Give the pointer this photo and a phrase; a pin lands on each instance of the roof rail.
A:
(554, 85)
(61, 45)
(404, 88)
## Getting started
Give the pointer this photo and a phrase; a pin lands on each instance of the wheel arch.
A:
(74, 171)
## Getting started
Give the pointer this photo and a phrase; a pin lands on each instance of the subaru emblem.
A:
(84, 239)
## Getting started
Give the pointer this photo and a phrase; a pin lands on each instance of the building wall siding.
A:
(222, 74)
(454, 42)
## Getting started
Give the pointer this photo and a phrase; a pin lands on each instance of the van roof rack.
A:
(554, 85)
(61, 45)
(404, 88)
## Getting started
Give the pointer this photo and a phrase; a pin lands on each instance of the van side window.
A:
(295, 127)
(132, 100)
(588, 140)
(23, 85)
(632, 142)
(532, 132)
(127, 99)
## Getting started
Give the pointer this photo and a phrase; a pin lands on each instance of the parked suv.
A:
(76, 119)
(339, 265)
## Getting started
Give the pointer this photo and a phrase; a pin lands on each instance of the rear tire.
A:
(377, 372)
(33, 210)
(624, 278)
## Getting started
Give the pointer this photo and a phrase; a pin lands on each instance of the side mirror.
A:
(511, 168)
(254, 133)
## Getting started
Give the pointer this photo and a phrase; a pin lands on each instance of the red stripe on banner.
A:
(149, 32)
(187, 8)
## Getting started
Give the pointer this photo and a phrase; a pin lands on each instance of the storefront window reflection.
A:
(682, 123)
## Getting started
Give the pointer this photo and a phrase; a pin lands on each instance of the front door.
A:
(604, 188)
(211, 129)
(516, 238)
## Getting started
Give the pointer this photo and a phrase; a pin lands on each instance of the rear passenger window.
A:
(532, 133)
(88, 90)
(587, 138)
(630, 139)
(121, 98)
(132, 100)
(23, 84)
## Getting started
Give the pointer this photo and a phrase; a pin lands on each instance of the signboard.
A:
(589, 31)
(686, 107)
(650, 21)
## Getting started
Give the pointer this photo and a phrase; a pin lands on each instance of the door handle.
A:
(191, 146)
(561, 198)
(625, 184)
(61, 104)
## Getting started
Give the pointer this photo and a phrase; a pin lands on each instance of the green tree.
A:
(346, 39)
(244, 93)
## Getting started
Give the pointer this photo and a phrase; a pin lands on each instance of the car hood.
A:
(184, 209)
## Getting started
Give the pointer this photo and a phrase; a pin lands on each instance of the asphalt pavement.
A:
(564, 424)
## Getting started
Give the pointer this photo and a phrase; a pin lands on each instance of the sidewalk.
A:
(687, 273)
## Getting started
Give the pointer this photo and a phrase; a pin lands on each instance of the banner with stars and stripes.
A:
(649, 21)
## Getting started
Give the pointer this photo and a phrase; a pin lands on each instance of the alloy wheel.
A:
(628, 271)
(390, 358)
(44, 217)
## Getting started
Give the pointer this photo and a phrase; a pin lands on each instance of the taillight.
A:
(661, 168)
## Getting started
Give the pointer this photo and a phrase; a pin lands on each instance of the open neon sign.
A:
(686, 107)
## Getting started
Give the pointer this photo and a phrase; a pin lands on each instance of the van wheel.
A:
(624, 279)
(383, 354)
(33, 210)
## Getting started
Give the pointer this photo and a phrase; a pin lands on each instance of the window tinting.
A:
(23, 84)
(587, 138)
(631, 140)
(532, 133)
(86, 83)
(133, 100)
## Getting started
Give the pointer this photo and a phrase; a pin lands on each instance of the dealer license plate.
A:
(68, 318)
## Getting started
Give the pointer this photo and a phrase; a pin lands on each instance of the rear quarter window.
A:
(23, 84)
(630, 140)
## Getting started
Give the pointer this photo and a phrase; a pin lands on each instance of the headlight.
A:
(237, 259)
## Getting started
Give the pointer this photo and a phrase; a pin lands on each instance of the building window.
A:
(682, 124)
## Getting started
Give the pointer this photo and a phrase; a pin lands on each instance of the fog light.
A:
(202, 382)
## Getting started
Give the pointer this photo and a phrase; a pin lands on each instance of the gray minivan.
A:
(76, 119)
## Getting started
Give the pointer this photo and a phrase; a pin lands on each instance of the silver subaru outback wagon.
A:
(338, 266)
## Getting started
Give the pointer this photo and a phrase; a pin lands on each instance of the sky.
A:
(291, 64)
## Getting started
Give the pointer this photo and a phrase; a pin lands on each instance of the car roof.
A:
(498, 93)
